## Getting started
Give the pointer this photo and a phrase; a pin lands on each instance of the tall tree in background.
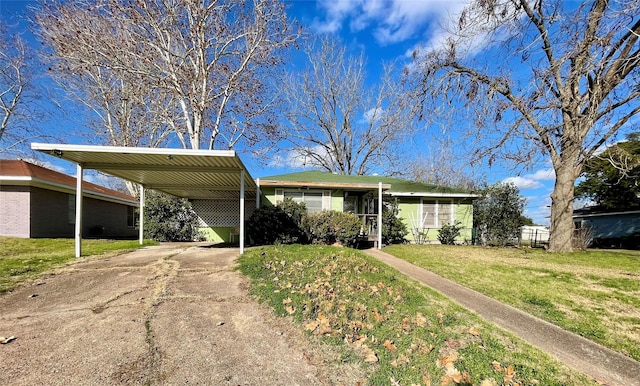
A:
(555, 78)
(335, 121)
(201, 69)
(17, 91)
(612, 178)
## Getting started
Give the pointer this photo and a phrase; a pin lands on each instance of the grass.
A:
(595, 294)
(25, 259)
(400, 331)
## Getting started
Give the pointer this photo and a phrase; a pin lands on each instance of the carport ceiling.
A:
(196, 174)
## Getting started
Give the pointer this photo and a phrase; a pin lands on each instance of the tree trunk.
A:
(562, 227)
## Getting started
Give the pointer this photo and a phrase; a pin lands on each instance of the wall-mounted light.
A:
(57, 153)
(170, 157)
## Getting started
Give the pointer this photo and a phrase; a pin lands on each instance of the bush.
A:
(277, 224)
(448, 233)
(328, 227)
(393, 229)
(169, 218)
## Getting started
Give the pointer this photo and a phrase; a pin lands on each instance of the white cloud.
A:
(523, 182)
(295, 159)
(392, 21)
(533, 180)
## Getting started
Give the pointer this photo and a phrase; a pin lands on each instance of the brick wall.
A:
(14, 211)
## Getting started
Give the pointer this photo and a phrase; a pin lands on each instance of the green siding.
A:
(217, 234)
(337, 199)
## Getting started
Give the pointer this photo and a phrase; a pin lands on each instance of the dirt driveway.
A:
(171, 315)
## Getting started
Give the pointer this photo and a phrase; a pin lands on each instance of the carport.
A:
(193, 174)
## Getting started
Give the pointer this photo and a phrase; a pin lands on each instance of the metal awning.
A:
(195, 174)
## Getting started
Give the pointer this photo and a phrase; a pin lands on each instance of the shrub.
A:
(393, 229)
(448, 233)
(327, 227)
(169, 218)
(282, 223)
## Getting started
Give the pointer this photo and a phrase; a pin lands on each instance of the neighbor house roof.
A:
(18, 172)
(394, 186)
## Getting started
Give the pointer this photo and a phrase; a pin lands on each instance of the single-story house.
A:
(37, 202)
(423, 208)
(610, 228)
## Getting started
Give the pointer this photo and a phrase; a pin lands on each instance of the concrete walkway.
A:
(604, 365)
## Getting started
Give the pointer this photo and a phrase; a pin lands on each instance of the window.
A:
(436, 214)
(315, 201)
(131, 216)
(71, 213)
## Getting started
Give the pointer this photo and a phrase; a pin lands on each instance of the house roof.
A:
(596, 211)
(394, 186)
(199, 174)
(18, 172)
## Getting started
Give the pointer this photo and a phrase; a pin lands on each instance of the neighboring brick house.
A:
(37, 202)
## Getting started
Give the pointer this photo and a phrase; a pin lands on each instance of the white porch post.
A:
(241, 212)
(379, 215)
(141, 214)
(78, 230)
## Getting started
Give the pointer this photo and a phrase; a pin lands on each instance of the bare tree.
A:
(17, 90)
(442, 165)
(555, 78)
(208, 62)
(337, 123)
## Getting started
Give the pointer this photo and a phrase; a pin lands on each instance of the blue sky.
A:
(387, 30)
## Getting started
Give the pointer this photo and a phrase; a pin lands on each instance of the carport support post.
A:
(141, 215)
(379, 215)
(78, 231)
(241, 212)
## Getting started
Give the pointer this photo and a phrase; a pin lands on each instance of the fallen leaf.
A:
(509, 373)
(426, 380)
(286, 301)
(451, 357)
(421, 320)
(440, 318)
(394, 363)
(473, 331)
(406, 327)
(311, 326)
(369, 355)
(488, 382)
(389, 345)
(496, 366)
(290, 309)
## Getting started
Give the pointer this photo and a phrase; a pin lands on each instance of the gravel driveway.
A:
(174, 314)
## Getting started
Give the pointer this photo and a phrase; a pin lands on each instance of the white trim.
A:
(577, 216)
(130, 150)
(439, 195)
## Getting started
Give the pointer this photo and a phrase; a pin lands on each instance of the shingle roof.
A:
(19, 168)
(397, 185)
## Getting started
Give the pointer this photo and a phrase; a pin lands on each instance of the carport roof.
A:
(197, 174)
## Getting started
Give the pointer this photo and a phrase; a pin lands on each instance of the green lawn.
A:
(24, 259)
(400, 331)
(595, 294)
